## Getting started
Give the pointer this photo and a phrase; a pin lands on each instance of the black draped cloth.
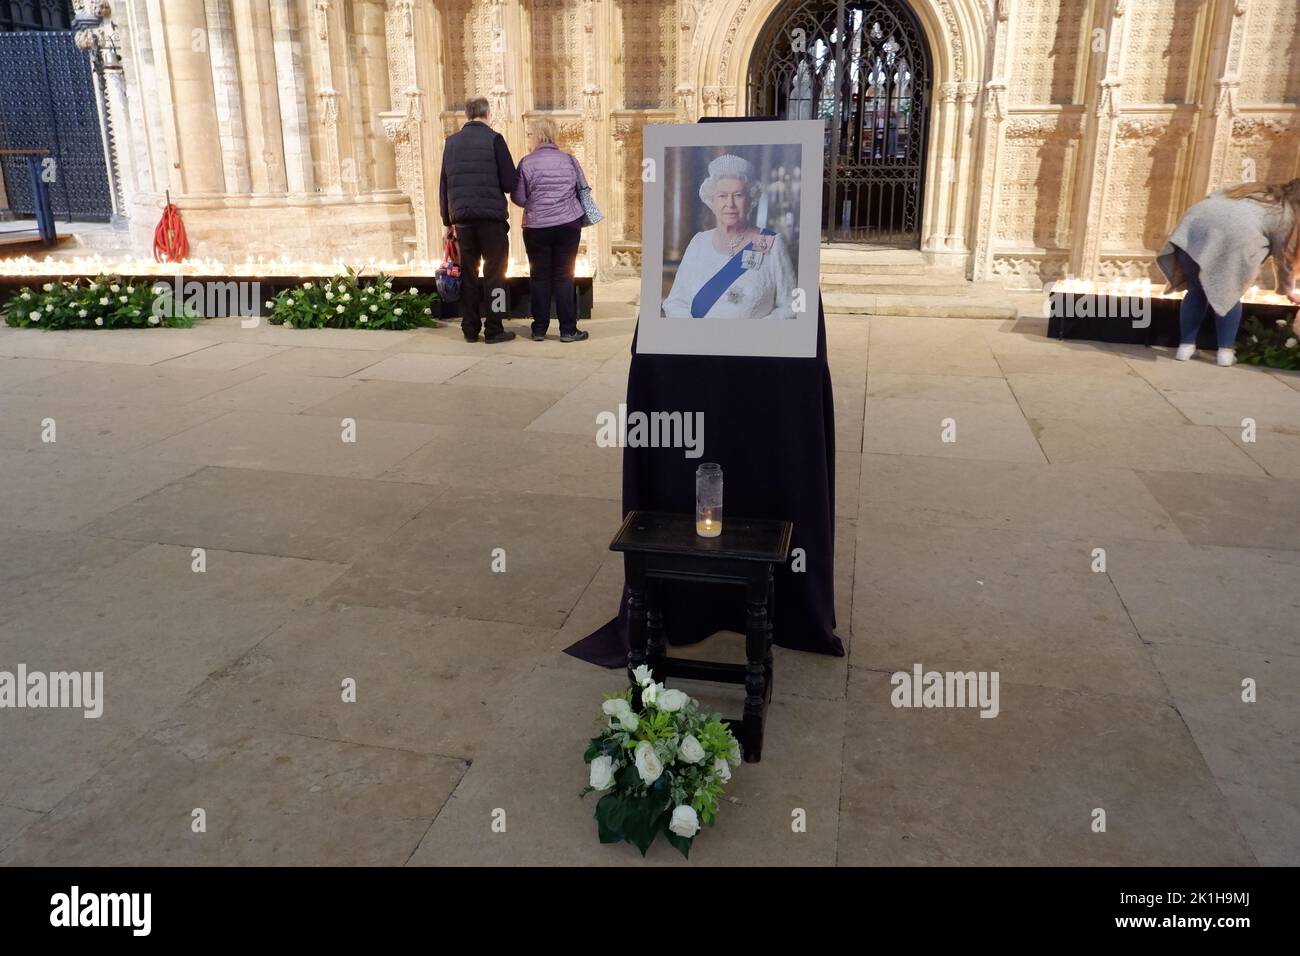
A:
(770, 424)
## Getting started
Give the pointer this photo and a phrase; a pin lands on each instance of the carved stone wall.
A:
(647, 53)
(1271, 72)
(1161, 51)
(1049, 49)
(1065, 134)
(555, 46)
(1145, 199)
(470, 39)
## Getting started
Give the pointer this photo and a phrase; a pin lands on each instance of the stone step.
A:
(875, 268)
(854, 255)
(927, 284)
(950, 307)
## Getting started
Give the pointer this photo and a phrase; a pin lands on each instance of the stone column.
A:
(228, 95)
(994, 116)
(371, 75)
(255, 46)
(147, 142)
(186, 97)
(106, 44)
(688, 18)
(404, 122)
(1100, 135)
(1217, 127)
(937, 207)
(290, 81)
(964, 167)
(338, 167)
(597, 64)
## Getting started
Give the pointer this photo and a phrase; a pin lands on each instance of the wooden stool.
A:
(660, 547)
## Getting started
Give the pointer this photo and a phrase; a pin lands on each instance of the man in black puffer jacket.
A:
(477, 175)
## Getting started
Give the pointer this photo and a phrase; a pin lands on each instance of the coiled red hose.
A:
(169, 241)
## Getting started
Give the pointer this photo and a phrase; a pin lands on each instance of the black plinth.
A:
(1115, 318)
(659, 547)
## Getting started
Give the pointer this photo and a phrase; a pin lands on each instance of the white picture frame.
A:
(786, 158)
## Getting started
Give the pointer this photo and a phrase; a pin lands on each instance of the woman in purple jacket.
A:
(547, 188)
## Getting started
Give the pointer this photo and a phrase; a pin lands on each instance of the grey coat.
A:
(1230, 239)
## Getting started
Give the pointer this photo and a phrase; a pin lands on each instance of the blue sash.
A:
(721, 281)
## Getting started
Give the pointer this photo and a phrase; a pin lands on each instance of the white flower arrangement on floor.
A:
(663, 767)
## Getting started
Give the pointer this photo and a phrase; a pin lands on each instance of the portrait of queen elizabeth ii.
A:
(737, 269)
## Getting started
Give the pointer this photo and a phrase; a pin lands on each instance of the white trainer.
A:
(1227, 357)
(1185, 352)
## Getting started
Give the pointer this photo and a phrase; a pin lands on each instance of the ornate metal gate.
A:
(48, 103)
(864, 66)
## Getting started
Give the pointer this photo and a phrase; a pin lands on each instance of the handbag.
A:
(447, 277)
(591, 214)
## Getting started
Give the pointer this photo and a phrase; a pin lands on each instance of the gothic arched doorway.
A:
(864, 66)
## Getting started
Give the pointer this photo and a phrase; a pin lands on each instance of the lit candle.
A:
(708, 500)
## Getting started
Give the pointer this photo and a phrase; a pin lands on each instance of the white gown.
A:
(764, 292)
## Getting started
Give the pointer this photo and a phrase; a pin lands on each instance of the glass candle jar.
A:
(708, 500)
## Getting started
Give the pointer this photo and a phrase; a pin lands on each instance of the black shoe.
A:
(578, 336)
(503, 336)
(538, 337)
(470, 338)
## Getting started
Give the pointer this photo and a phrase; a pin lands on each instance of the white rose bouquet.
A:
(662, 766)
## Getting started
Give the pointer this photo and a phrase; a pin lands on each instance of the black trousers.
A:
(552, 251)
(489, 241)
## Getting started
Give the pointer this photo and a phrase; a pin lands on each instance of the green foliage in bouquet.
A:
(663, 767)
(1273, 346)
(348, 302)
(104, 302)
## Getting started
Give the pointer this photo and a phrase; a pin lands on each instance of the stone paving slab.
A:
(1126, 399)
(13, 820)
(302, 444)
(115, 347)
(265, 512)
(105, 429)
(35, 567)
(1242, 511)
(62, 491)
(966, 599)
(223, 356)
(979, 430)
(1195, 449)
(543, 463)
(132, 385)
(429, 685)
(546, 823)
(1068, 500)
(1278, 453)
(17, 371)
(947, 787)
(429, 404)
(268, 799)
(1120, 689)
(1227, 597)
(155, 629)
(441, 562)
(413, 367)
(280, 393)
(1252, 748)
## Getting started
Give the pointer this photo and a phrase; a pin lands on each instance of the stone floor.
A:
(325, 560)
